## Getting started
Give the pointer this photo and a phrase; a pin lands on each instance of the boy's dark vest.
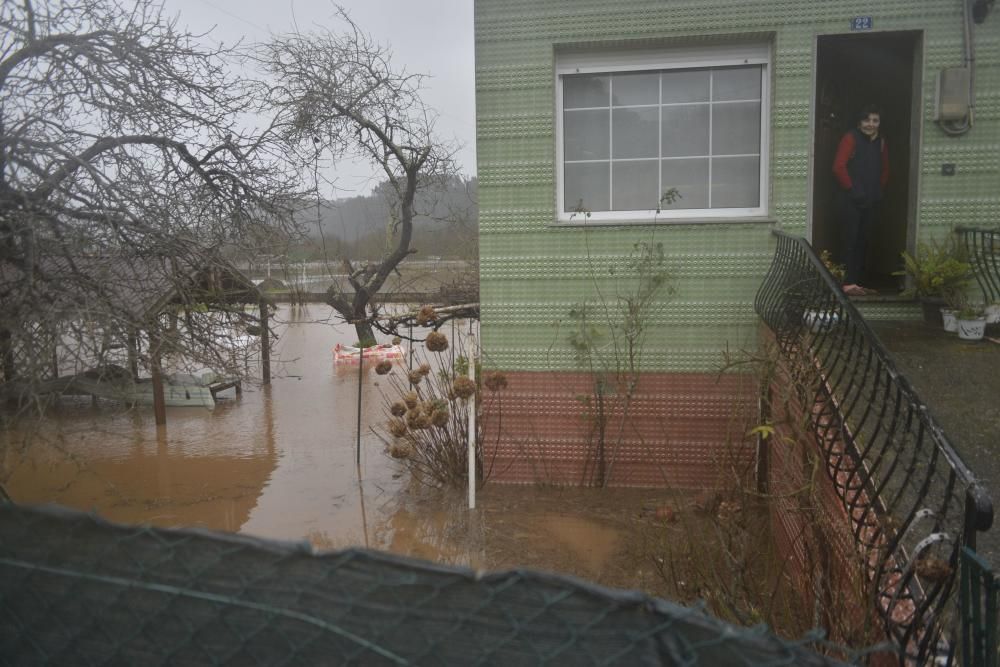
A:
(865, 166)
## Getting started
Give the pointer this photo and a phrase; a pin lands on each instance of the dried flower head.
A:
(397, 409)
(400, 450)
(933, 569)
(417, 420)
(424, 369)
(436, 341)
(440, 417)
(426, 315)
(415, 377)
(410, 399)
(397, 427)
(463, 387)
(383, 367)
(495, 381)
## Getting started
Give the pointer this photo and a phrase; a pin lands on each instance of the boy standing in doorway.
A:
(861, 167)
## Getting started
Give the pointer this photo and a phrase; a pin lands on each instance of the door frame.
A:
(916, 133)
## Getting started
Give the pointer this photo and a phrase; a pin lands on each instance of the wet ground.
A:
(960, 383)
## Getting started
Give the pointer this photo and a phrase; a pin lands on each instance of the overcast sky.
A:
(433, 37)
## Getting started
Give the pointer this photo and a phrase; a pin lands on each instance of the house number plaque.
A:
(861, 23)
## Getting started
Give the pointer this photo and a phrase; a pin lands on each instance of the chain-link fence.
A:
(75, 589)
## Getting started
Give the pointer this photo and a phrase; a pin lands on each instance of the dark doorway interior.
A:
(851, 71)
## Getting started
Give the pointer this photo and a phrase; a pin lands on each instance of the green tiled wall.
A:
(532, 273)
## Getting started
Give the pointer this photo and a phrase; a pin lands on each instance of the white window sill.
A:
(591, 222)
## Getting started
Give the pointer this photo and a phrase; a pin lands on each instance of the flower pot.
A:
(931, 307)
(973, 329)
(949, 316)
(820, 321)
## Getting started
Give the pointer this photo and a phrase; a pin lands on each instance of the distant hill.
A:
(446, 224)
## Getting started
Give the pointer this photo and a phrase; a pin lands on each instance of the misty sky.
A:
(433, 37)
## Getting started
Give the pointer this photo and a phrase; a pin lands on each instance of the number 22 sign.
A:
(861, 23)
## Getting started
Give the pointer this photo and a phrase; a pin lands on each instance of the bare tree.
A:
(122, 146)
(338, 95)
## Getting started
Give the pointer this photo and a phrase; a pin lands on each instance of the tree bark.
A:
(265, 344)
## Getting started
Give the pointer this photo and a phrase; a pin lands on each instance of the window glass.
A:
(636, 88)
(635, 132)
(586, 134)
(587, 185)
(685, 86)
(586, 90)
(735, 182)
(735, 128)
(628, 136)
(690, 177)
(736, 83)
(635, 185)
(685, 130)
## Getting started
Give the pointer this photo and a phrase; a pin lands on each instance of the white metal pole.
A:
(472, 424)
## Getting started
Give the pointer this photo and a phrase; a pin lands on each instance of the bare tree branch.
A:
(128, 165)
(339, 94)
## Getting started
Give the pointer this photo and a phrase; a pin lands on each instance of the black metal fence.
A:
(911, 503)
(982, 247)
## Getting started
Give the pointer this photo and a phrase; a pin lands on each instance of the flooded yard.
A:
(280, 462)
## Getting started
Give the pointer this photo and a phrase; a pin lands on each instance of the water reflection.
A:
(277, 461)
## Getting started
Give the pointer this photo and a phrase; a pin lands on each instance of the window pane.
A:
(735, 128)
(736, 182)
(585, 90)
(587, 186)
(690, 177)
(685, 130)
(638, 88)
(685, 86)
(736, 83)
(586, 134)
(634, 185)
(635, 132)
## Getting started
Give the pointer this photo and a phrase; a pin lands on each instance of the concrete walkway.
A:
(960, 383)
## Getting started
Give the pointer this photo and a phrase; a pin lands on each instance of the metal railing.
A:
(979, 610)
(982, 247)
(911, 502)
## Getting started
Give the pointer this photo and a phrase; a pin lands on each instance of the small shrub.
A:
(429, 425)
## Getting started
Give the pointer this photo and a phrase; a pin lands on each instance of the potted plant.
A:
(971, 323)
(937, 275)
(993, 313)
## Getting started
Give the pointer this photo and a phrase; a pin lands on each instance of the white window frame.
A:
(611, 62)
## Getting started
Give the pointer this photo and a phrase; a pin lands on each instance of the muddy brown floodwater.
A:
(280, 462)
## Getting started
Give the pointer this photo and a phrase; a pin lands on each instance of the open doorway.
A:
(851, 71)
